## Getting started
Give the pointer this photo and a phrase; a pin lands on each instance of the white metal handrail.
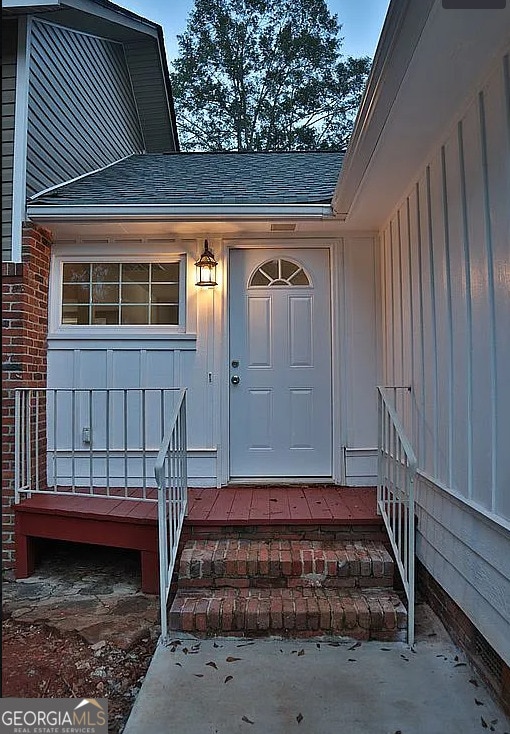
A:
(89, 441)
(395, 495)
(170, 471)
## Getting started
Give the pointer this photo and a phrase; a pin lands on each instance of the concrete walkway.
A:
(275, 686)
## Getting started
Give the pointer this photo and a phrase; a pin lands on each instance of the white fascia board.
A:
(135, 23)
(25, 4)
(48, 213)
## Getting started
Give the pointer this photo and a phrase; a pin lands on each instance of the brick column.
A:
(24, 356)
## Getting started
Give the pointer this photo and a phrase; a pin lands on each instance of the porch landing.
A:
(283, 505)
(300, 512)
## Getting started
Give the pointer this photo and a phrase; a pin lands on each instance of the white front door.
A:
(280, 364)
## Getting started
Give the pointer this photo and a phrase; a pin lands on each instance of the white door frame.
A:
(335, 248)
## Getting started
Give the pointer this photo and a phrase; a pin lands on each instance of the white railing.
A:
(98, 442)
(171, 477)
(395, 495)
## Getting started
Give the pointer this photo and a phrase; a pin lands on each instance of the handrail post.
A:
(395, 493)
(170, 473)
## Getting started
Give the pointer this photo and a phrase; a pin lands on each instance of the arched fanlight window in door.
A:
(279, 272)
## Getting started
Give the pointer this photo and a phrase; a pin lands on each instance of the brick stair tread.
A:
(376, 614)
(245, 563)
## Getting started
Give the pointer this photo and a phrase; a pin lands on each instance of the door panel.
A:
(280, 336)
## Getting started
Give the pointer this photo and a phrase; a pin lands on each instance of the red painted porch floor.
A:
(233, 505)
(284, 505)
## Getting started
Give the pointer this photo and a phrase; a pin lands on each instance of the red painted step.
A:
(363, 614)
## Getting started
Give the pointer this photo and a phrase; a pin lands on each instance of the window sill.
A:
(118, 339)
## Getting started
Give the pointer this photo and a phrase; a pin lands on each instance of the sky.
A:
(361, 21)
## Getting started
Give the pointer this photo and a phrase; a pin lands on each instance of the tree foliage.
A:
(265, 75)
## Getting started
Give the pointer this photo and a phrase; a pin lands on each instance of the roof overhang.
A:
(427, 64)
(75, 13)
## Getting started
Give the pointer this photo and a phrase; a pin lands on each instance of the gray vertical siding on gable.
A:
(154, 116)
(82, 114)
(9, 44)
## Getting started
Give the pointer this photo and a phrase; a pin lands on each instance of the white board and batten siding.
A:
(446, 325)
(144, 357)
(357, 323)
(198, 358)
(9, 43)
(81, 111)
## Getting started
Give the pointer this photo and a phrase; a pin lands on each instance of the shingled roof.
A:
(206, 178)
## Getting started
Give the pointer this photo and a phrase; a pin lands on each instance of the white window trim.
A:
(56, 328)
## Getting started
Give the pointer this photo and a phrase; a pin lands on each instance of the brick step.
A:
(372, 614)
(285, 564)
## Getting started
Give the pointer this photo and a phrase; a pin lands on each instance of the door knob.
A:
(235, 380)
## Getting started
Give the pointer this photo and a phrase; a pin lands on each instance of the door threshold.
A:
(277, 481)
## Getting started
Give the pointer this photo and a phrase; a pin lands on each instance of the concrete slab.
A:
(327, 686)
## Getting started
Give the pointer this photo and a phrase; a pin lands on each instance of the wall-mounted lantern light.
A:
(206, 267)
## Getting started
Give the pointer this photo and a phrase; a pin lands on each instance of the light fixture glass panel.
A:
(135, 293)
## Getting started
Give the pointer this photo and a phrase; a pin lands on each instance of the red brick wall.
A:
(488, 664)
(24, 357)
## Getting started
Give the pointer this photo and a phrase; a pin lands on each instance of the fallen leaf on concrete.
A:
(478, 703)
(404, 658)
(179, 664)
(229, 677)
(198, 675)
(212, 664)
(248, 721)
(459, 665)
(484, 723)
(301, 652)
(386, 649)
(299, 718)
(351, 660)
(318, 644)
(473, 682)
(230, 659)
(353, 647)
